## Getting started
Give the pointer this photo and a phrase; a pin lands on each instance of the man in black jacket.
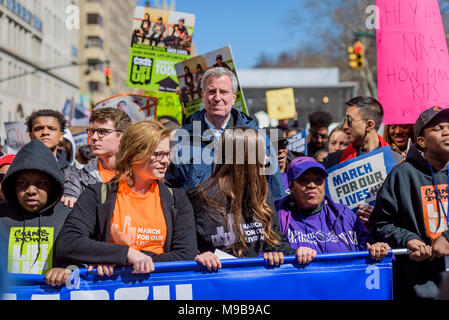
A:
(32, 216)
(411, 209)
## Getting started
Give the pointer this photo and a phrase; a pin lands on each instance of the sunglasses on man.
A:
(350, 121)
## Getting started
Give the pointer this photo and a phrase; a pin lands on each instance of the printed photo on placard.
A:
(159, 39)
(190, 73)
(136, 106)
(16, 136)
(168, 104)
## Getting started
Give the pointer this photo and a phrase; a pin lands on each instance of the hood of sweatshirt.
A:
(416, 158)
(34, 156)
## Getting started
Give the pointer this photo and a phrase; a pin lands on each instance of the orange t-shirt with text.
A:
(138, 220)
(105, 174)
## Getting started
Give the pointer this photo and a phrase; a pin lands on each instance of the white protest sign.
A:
(298, 142)
(358, 180)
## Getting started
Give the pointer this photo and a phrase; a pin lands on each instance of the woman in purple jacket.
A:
(313, 223)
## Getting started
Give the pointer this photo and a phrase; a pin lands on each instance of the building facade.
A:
(105, 35)
(35, 48)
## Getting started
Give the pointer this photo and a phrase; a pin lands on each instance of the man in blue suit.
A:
(196, 141)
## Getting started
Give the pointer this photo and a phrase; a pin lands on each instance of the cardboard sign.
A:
(168, 104)
(281, 103)
(160, 38)
(298, 142)
(190, 74)
(16, 135)
(412, 59)
(358, 180)
(136, 106)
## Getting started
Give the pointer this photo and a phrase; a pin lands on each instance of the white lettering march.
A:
(358, 180)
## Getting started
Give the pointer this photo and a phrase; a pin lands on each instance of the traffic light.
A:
(356, 55)
(107, 73)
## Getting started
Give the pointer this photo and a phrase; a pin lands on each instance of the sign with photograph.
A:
(190, 73)
(160, 38)
(136, 106)
(16, 136)
(168, 104)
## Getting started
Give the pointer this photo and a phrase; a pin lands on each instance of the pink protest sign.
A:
(412, 59)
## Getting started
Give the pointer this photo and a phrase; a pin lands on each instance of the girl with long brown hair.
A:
(234, 209)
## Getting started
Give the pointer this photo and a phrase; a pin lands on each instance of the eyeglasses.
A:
(2, 175)
(350, 121)
(159, 156)
(102, 132)
(305, 182)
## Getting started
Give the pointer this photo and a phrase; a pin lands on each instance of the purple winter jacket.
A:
(340, 231)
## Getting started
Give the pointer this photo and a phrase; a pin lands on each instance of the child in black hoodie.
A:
(411, 209)
(33, 215)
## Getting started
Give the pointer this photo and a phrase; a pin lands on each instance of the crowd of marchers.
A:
(139, 193)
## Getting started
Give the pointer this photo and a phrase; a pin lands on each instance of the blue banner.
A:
(358, 180)
(338, 276)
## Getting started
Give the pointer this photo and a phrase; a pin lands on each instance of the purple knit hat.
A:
(301, 164)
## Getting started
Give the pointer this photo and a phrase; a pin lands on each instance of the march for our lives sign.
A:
(358, 180)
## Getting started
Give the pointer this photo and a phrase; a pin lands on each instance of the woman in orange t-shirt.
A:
(135, 219)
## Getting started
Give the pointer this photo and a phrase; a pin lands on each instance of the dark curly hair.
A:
(46, 113)
(320, 119)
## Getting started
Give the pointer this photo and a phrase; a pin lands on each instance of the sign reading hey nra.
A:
(412, 59)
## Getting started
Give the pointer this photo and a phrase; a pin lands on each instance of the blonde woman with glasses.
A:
(135, 219)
